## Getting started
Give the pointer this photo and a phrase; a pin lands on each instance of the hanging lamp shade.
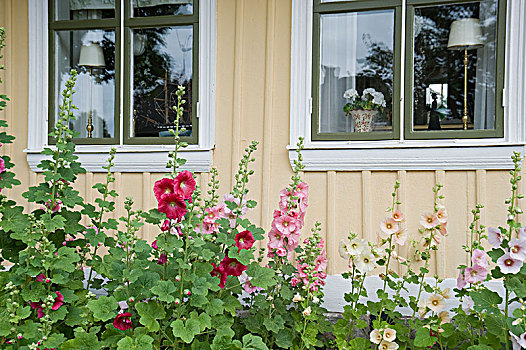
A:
(465, 33)
(91, 55)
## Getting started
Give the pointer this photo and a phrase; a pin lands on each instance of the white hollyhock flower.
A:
(365, 262)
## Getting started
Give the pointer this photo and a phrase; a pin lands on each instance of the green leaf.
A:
(274, 324)
(261, 276)
(150, 312)
(284, 338)
(486, 299)
(142, 342)
(515, 285)
(163, 290)
(215, 307)
(103, 308)
(82, 341)
(186, 331)
(252, 342)
(360, 344)
(423, 339)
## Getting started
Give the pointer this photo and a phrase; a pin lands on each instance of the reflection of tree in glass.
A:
(435, 64)
(141, 10)
(149, 83)
(108, 47)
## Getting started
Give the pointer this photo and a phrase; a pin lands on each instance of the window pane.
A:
(441, 33)
(162, 60)
(92, 54)
(84, 9)
(147, 8)
(356, 59)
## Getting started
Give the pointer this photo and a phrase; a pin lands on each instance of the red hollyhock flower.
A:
(162, 259)
(166, 225)
(220, 272)
(184, 184)
(162, 187)
(244, 240)
(59, 300)
(232, 267)
(122, 321)
(173, 205)
(154, 244)
(38, 307)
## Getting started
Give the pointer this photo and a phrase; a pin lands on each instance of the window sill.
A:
(407, 157)
(132, 158)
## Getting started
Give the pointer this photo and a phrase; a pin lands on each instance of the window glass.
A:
(92, 54)
(147, 8)
(356, 71)
(162, 60)
(84, 9)
(441, 35)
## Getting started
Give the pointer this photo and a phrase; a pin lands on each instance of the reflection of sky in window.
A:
(178, 44)
(345, 38)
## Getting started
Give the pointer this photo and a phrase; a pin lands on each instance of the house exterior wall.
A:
(252, 103)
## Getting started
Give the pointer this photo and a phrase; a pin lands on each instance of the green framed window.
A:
(357, 86)
(129, 102)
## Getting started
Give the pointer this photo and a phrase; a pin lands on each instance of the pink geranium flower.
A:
(389, 226)
(429, 220)
(173, 205)
(518, 248)
(509, 265)
(480, 258)
(244, 240)
(475, 273)
(123, 321)
(162, 187)
(184, 184)
(494, 237)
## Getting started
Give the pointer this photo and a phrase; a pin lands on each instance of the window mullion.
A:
(401, 118)
(122, 51)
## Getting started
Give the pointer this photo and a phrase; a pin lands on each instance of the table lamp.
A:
(465, 34)
(91, 56)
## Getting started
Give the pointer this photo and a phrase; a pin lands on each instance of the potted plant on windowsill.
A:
(363, 109)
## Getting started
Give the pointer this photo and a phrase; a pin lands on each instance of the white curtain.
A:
(484, 109)
(338, 58)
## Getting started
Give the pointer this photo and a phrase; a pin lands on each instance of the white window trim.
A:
(403, 154)
(129, 158)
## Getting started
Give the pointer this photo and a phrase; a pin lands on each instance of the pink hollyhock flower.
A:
(207, 228)
(59, 301)
(2, 165)
(162, 187)
(461, 281)
(518, 249)
(228, 213)
(443, 229)
(400, 237)
(286, 224)
(244, 240)
(442, 215)
(509, 265)
(522, 340)
(429, 220)
(320, 263)
(480, 258)
(123, 321)
(38, 307)
(154, 244)
(398, 216)
(302, 190)
(219, 271)
(515, 342)
(184, 184)
(247, 286)
(295, 281)
(275, 239)
(475, 273)
(213, 214)
(494, 237)
(173, 205)
(281, 251)
(467, 304)
(522, 233)
(389, 226)
(232, 267)
(165, 226)
(162, 259)
(41, 278)
(293, 240)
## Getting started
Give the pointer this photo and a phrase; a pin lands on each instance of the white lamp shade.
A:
(91, 55)
(465, 33)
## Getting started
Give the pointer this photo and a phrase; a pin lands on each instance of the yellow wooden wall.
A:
(252, 103)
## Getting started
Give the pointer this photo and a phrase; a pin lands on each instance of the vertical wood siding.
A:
(253, 100)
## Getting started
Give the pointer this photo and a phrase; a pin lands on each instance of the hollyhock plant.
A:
(184, 184)
(232, 267)
(509, 265)
(518, 248)
(475, 274)
(429, 220)
(494, 237)
(123, 321)
(173, 205)
(480, 258)
(389, 226)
